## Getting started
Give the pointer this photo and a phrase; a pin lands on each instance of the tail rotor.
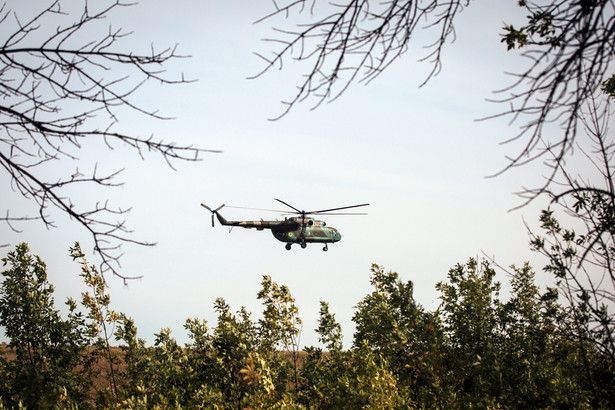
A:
(213, 212)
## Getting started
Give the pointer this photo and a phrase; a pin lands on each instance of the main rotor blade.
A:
(290, 206)
(337, 213)
(257, 209)
(336, 209)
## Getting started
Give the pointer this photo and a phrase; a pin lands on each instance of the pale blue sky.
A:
(417, 155)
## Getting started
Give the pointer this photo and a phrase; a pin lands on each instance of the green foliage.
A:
(582, 265)
(514, 38)
(353, 379)
(475, 350)
(101, 319)
(527, 340)
(279, 327)
(136, 358)
(385, 316)
(325, 377)
(510, 353)
(48, 348)
(232, 344)
(608, 86)
(469, 309)
(329, 331)
(541, 29)
(393, 325)
(235, 364)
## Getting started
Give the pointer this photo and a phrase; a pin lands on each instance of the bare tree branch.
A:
(570, 46)
(356, 41)
(582, 256)
(56, 87)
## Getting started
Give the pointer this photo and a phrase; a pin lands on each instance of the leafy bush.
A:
(48, 349)
(475, 350)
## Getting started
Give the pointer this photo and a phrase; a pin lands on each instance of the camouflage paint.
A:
(291, 230)
(309, 230)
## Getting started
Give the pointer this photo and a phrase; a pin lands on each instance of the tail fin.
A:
(215, 212)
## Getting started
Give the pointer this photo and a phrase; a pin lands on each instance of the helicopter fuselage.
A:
(309, 230)
(297, 229)
(301, 230)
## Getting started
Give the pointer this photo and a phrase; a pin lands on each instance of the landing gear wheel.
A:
(288, 245)
(303, 245)
(326, 248)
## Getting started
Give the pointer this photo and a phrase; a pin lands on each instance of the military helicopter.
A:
(300, 229)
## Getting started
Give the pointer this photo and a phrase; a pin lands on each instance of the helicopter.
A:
(301, 229)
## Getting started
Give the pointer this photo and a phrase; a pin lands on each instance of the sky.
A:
(417, 155)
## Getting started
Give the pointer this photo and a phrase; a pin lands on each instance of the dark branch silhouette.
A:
(63, 87)
(570, 48)
(582, 257)
(569, 45)
(355, 41)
